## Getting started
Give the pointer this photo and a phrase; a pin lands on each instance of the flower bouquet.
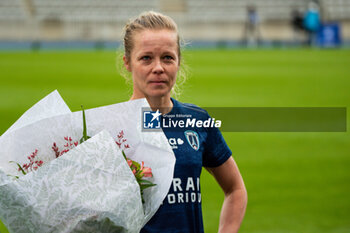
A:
(63, 185)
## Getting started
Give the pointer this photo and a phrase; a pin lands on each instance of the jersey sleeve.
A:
(216, 151)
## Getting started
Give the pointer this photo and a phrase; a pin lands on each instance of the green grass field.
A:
(297, 182)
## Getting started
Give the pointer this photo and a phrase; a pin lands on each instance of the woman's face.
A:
(153, 62)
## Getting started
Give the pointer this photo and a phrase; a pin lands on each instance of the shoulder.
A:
(189, 108)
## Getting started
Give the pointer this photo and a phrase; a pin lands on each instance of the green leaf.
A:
(124, 154)
(85, 136)
(142, 181)
(16, 177)
(145, 184)
(143, 187)
(19, 166)
(136, 164)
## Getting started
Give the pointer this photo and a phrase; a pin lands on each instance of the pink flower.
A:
(56, 150)
(129, 162)
(121, 134)
(147, 172)
(69, 145)
(121, 141)
(32, 165)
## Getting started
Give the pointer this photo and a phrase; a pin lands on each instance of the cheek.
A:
(174, 71)
(139, 73)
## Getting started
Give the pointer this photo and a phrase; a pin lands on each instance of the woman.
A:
(152, 55)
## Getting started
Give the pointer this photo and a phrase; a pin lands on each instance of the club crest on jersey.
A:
(192, 139)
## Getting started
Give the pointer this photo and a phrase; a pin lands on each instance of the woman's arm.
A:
(235, 202)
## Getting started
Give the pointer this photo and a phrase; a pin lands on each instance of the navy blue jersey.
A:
(194, 148)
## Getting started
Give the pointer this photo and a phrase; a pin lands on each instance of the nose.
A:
(158, 67)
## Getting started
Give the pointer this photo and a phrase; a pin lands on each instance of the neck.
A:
(163, 103)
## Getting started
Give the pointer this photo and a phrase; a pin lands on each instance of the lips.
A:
(157, 82)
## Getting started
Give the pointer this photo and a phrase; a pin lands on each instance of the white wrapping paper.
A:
(89, 188)
(51, 105)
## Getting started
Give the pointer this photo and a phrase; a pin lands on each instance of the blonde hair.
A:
(152, 21)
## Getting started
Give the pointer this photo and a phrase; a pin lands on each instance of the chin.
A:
(158, 93)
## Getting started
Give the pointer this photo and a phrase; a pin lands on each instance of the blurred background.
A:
(222, 23)
(239, 53)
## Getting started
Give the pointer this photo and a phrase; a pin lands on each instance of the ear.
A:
(126, 64)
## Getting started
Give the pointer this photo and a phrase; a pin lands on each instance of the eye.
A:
(168, 57)
(145, 58)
